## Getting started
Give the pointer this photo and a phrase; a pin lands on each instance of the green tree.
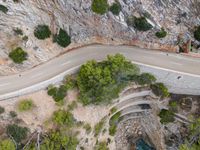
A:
(58, 94)
(63, 39)
(197, 33)
(166, 116)
(18, 55)
(101, 82)
(100, 6)
(160, 89)
(141, 23)
(7, 145)
(18, 133)
(42, 32)
(162, 33)
(115, 8)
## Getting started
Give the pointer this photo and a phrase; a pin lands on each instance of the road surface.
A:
(73, 59)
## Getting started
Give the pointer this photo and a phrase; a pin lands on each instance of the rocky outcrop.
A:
(85, 27)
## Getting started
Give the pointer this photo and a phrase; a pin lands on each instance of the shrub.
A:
(18, 31)
(25, 105)
(18, 133)
(70, 82)
(115, 8)
(140, 23)
(98, 127)
(3, 8)
(58, 94)
(88, 128)
(13, 114)
(173, 106)
(166, 116)
(113, 123)
(113, 110)
(62, 117)
(197, 33)
(18, 55)
(145, 78)
(63, 39)
(25, 38)
(161, 34)
(159, 89)
(72, 106)
(42, 32)
(100, 6)
(2, 110)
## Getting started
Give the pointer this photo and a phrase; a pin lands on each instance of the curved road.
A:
(71, 60)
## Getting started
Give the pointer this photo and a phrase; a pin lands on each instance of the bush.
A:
(42, 32)
(113, 123)
(159, 89)
(3, 8)
(2, 110)
(161, 34)
(115, 8)
(144, 78)
(63, 39)
(100, 6)
(173, 106)
(18, 133)
(13, 114)
(140, 24)
(62, 117)
(18, 55)
(18, 31)
(58, 94)
(166, 116)
(113, 110)
(197, 33)
(72, 106)
(25, 105)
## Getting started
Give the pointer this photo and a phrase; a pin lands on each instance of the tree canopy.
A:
(63, 39)
(18, 55)
(102, 81)
(100, 6)
(42, 32)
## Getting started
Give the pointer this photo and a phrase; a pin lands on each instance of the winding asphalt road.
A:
(73, 59)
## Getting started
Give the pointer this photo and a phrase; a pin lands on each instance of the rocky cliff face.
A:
(75, 16)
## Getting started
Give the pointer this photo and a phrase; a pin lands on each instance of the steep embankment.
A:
(85, 27)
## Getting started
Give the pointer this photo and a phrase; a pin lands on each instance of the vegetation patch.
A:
(159, 89)
(162, 33)
(58, 93)
(166, 116)
(88, 128)
(100, 82)
(115, 8)
(197, 33)
(113, 123)
(3, 8)
(142, 79)
(101, 146)
(63, 117)
(7, 144)
(141, 23)
(13, 114)
(100, 6)
(98, 127)
(42, 32)
(16, 132)
(25, 105)
(18, 31)
(18, 55)
(63, 39)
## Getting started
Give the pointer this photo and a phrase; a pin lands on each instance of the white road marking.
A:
(170, 70)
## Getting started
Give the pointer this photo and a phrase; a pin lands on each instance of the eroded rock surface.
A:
(176, 16)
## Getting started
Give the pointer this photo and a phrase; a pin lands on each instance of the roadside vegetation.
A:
(160, 89)
(166, 116)
(113, 123)
(18, 55)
